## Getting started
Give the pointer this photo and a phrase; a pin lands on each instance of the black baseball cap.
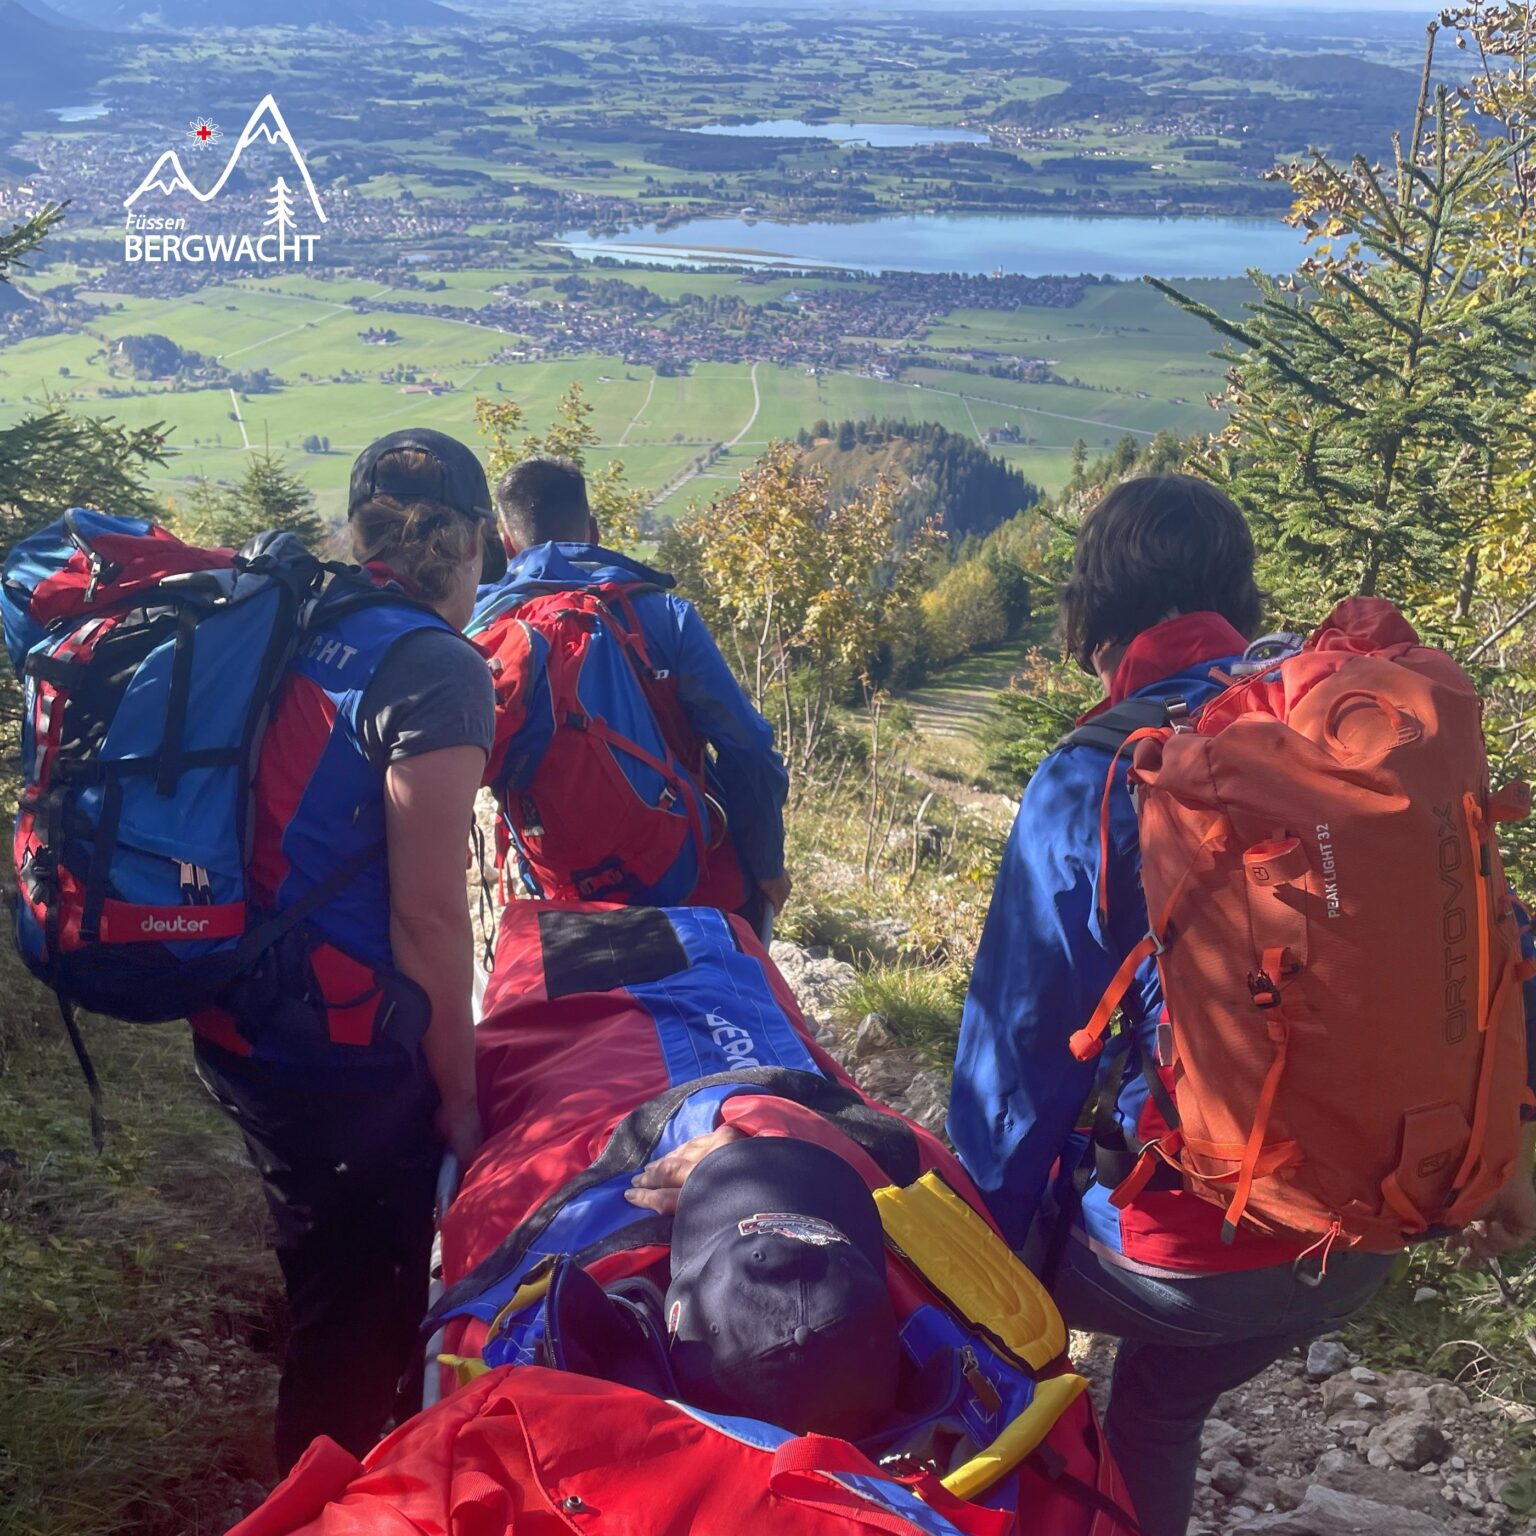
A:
(453, 476)
(778, 1307)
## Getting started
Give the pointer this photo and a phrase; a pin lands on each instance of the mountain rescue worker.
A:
(1161, 602)
(347, 1058)
(552, 540)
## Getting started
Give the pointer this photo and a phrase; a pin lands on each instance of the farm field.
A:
(1135, 364)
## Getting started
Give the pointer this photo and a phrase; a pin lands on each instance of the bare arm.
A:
(428, 807)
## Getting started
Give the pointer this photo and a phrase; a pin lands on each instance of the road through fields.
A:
(634, 421)
(234, 400)
(668, 491)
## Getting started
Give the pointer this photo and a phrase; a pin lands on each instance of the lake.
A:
(876, 135)
(1021, 244)
(85, 114)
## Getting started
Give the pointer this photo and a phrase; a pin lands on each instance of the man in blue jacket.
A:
(552, 540)
(1160, 606)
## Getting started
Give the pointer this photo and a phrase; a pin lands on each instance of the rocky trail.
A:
(1319, 1444)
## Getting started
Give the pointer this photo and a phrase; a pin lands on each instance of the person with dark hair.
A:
(346, 1058)
(543, 500)
(1160, 607)
(552, 540)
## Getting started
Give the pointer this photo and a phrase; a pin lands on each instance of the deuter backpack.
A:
(149, 668)
(595, 770)
(1343, 1052)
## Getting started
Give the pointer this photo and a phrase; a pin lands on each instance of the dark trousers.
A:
(348, 1169)
(1183, 1343)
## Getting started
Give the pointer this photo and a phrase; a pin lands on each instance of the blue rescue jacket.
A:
(1045, 960)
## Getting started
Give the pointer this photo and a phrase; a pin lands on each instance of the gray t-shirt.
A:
(432, 691)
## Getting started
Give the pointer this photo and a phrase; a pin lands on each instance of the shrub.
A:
(964, 612)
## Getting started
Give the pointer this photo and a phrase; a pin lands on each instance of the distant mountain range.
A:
(45, 57)
(178, 15)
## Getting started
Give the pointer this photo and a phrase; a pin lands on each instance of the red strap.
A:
(1087, 1042)
(1137, 1179)
(1109, 784)
(1280, 1036)
(1475, 828)
(1478, 1136)
(1409, 1214)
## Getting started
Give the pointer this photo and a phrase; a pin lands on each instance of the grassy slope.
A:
(139, 1308)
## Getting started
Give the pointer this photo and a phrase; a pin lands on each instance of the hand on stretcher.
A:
(656, 1186)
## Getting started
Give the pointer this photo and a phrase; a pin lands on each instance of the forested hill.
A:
(948, 477)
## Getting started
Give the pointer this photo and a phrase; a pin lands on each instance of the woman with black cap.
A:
(346, 1058)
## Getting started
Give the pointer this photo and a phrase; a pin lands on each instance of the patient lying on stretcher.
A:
(776, 1306)
(695, 1282)
(687, 1181)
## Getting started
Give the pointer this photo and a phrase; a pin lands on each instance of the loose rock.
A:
(1406, 1440)
(872, 1037)
(1325, 1358)
(1228, 1477)
(1327, 1512)
(928, 1100)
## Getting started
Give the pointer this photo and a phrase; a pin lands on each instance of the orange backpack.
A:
(1339, 956)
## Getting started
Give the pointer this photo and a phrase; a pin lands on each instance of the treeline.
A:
(950, 481)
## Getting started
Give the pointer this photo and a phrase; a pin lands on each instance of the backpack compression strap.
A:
(1111, 729)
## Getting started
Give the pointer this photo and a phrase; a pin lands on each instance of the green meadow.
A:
(1128, 362)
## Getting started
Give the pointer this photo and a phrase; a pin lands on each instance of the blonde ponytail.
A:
(426, 542)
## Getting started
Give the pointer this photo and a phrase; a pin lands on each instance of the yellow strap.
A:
(1019, 1440)
(533, 1289)
(465, 1370)
(960, 1256)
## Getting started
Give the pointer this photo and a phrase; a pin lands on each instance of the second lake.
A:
(1024, 244)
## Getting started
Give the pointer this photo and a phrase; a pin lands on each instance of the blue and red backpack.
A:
(149, 669)
(598, 776)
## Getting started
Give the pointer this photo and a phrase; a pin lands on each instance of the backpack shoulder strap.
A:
(1110, 730)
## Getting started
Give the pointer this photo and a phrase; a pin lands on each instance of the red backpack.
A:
(1344, 1049)
(597, 774)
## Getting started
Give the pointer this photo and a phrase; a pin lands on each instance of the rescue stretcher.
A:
(611, 1036)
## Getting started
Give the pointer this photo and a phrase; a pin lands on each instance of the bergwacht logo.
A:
(152, 237)
(736, 1042)
(180, 927)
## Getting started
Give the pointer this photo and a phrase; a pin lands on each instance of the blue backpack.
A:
(149, 668)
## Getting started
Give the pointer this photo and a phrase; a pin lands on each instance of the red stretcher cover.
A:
(595, 1018)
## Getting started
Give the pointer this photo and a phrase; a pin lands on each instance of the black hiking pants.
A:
(349, 1169)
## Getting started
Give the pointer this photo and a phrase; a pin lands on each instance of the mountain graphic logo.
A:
(168, 176)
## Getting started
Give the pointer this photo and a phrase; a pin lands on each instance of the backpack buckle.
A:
(1263, 989)
(1178, 712)
(38, 875)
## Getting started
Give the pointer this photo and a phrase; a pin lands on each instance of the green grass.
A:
(139, 1308)
(920, 1006)
(1143, 363)
(1470, 1329)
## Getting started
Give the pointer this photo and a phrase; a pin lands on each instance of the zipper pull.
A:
(986, 1394)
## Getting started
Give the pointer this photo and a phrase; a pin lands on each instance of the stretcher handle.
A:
(448, 1175)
